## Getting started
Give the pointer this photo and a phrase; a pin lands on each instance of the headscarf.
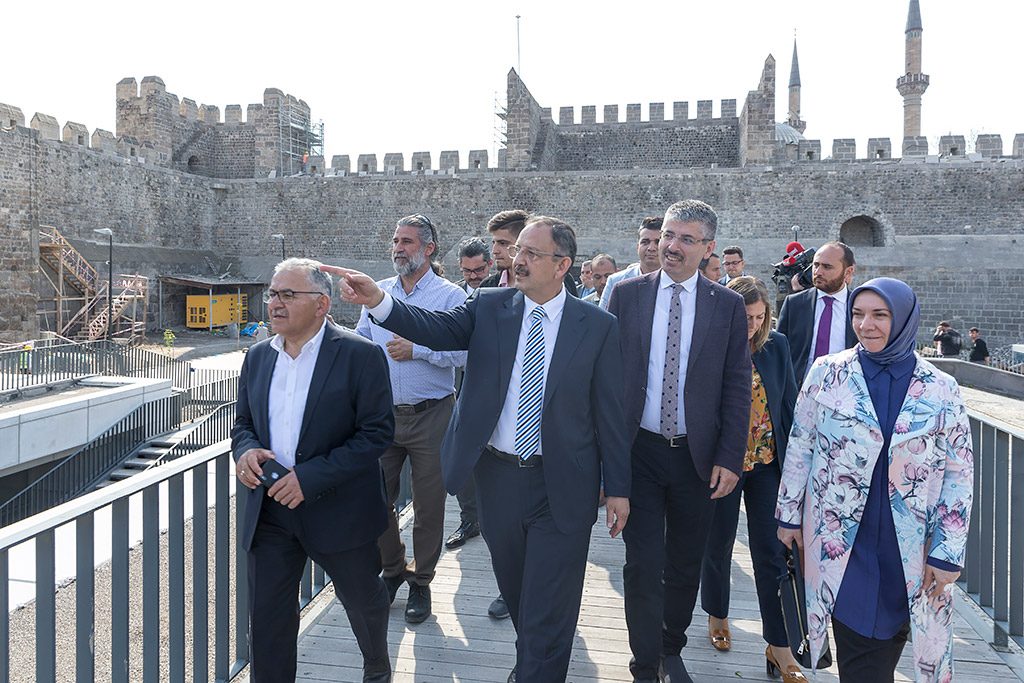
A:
(906, 315)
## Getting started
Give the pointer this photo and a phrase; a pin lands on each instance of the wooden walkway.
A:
(461, 643)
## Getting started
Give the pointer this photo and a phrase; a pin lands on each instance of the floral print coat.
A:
(833, 447)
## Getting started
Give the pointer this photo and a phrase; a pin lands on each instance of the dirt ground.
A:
(190, 343)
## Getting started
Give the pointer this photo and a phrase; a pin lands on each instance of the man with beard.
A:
(423, 388)
(648, 235)
(815, 321)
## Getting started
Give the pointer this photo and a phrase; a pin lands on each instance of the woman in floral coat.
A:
(877, 488)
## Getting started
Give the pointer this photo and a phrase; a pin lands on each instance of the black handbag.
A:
(792, 595)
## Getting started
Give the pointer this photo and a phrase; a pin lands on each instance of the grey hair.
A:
(319, 281)
(427, 234)
(694, 211)
(604, 257)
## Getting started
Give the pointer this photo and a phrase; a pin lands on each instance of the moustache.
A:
(521, 270)
(669, 252)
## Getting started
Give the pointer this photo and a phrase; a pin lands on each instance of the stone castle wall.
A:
(165, 220)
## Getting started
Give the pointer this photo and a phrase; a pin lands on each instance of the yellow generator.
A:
(217, 310)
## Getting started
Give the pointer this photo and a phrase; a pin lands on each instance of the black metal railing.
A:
(47, 362)
(82, 470)
(994, 571)
(211, 429)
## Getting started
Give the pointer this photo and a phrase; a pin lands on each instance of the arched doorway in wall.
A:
(193, 164)
(862, 231)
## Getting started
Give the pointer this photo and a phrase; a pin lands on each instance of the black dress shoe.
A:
(498, 609)
(393, 583)
(512, 676)
(672, 670)
(377, 673)
(417, 608)
(465, 532)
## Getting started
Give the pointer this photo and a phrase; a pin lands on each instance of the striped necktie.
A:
(531, 389)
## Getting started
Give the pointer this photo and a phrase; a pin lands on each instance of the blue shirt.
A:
(873, 597)
(429, 374)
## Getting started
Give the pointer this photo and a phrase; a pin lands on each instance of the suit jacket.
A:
(582, 428)
(717, 392)
(835, 444)
(796, 321)
(348, 423)
(494, 278)
(775, 366)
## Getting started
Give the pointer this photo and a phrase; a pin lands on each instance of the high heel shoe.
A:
(792, 674)
(720, 638)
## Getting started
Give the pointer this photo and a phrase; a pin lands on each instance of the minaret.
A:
(794, 94)
(913, 83)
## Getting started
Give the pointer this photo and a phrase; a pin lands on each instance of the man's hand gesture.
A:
(355, 287)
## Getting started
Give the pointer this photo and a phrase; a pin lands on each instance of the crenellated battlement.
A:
(192, 137)
(655, 114)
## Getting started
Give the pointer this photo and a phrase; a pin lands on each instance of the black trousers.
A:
(670, 511)
(867, 659)
(539, 569)
(759, 489)
(467, 502)
(275, 562)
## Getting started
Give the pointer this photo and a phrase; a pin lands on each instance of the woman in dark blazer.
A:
(774, 395)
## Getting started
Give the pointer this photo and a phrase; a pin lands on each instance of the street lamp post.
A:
(110, 278)
(279, 236)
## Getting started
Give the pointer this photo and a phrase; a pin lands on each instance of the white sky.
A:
(406, 76)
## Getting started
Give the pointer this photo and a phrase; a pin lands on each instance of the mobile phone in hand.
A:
(272, 472)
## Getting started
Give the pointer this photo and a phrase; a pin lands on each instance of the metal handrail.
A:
(207, 431)
(993, 575)
(135, 653)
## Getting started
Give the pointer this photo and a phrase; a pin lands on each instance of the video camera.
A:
(799, 262)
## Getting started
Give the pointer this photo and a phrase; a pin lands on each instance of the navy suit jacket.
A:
(717, 392)
(347, 425)
(582, 427)
(796, 321)
(775, 366)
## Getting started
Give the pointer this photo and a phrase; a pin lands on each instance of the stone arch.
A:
(193, 164)
(862, 231)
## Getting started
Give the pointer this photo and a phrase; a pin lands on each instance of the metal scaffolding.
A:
(298, 137)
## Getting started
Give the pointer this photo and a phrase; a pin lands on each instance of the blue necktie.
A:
(531, 390)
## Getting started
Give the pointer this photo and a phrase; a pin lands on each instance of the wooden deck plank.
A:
(459, 642)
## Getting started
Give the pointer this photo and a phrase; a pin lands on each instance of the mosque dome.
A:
(787, 135)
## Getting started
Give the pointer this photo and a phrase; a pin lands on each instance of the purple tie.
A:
(824, 328)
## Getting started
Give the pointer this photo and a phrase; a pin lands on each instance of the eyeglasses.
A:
(686, 240)
(475, 271)
(731, 263)
(530, 253)
(285, 296)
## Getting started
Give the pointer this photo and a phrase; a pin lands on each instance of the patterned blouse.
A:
(761, 440)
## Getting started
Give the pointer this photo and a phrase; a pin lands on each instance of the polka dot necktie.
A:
(531, 389)
(670, 378)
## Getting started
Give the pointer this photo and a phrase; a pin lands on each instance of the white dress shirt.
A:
(504, 436)
(651, 418)
(286, 401)
(837, 333)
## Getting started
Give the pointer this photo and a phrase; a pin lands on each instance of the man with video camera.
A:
(815, 320)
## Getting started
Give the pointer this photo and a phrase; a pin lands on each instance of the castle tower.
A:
(913, 83)
(794, 94)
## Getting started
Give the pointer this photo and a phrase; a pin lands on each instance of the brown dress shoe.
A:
(792, 674)
(720, 638)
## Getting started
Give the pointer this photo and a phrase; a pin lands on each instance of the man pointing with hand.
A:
(522, 431)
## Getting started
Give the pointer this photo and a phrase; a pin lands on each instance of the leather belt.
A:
(677, 441)
(418, 407)
(532, 461)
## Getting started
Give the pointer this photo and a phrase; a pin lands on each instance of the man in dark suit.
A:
(815, 321)
(687, 400)
(316, 399)
(505, 227)
(534, 448)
